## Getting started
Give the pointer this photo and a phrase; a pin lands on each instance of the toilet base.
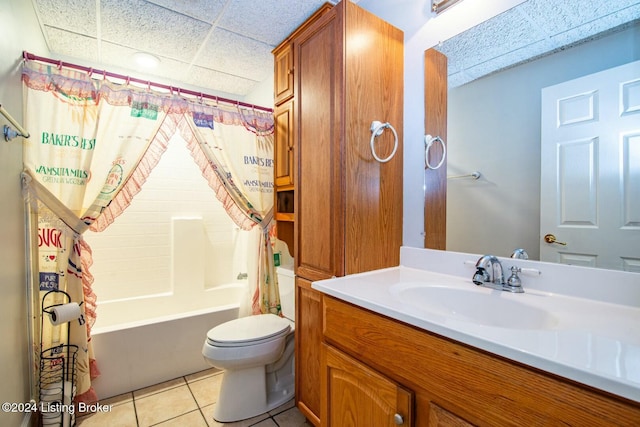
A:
(242, 395)
(246, 393)
(255, 401)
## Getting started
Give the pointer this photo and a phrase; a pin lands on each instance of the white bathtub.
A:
(144, 341)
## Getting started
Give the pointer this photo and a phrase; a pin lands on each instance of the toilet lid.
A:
(249, 330)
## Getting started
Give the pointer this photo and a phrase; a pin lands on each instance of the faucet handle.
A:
(513, 282)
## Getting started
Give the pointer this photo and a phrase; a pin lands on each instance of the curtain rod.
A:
(29, 56)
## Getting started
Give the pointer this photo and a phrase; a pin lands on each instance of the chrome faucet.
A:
(489, 274)
(520, 253)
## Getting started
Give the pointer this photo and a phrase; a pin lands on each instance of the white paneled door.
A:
(590, 170)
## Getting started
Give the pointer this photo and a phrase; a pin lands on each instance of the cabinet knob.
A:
(399, 420)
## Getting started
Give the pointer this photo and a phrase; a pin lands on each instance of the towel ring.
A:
(376, 130)
(428, 142)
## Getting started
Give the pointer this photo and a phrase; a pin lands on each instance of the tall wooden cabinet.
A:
(284, 118)
(348, 72)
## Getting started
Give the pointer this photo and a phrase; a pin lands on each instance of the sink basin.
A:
(477, 305)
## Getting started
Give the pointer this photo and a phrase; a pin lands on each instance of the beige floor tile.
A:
(117, 400)
(191, 419)
(122, 415)
(266, 423)
(202, 374)
(291, 418)
(158, 388)
(164, 405)
(208, 415)
(207, 390)
(290, 404)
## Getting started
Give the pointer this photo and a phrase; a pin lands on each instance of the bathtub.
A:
(140, 342)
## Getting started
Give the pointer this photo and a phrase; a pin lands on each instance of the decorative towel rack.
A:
(428, 143)
(474, 175)
(376, 130)
(9, 133)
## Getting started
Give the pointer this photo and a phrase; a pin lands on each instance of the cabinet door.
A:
(319, 161)
(284, 132)
(308, 346)
(283, 73)
(356, 395)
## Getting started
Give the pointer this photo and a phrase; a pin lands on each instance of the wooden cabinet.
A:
(283, 166)
(308, 337)
(284, 118)
(348, 72)
(458, 385)
(283, 72)
(358, 396)
(283, 148)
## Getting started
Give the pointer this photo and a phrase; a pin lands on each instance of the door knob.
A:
(398, 419)
(550, 238)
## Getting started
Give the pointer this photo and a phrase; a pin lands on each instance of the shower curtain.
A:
(94, 144)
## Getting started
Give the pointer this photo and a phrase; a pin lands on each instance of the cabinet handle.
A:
(398, 419)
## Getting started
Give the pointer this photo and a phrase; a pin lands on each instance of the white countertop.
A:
(590, 341)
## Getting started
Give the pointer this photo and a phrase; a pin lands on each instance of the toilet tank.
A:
(286, 285)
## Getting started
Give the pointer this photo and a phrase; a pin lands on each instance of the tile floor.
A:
(186, 401)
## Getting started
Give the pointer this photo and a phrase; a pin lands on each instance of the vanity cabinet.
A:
(348, 206)
(455, 384)
(308, 338)
(358, 395)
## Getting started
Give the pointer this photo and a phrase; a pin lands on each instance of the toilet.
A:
(257, 355)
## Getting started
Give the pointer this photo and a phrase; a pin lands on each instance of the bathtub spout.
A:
(242, 276)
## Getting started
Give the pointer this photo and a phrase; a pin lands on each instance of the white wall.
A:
(494, 127)
(16, 17)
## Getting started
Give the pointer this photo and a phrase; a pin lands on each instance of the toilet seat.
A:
(249, 331)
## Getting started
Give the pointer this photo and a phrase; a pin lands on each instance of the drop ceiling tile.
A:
(221, 82)
(78, 16)
(544, 23)
(488, 40)
(204, 10)
(597, 27)
(147, 27)
(71, 44)
(119, 56)
(268, 21)
(234, 54)
(591, 10)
